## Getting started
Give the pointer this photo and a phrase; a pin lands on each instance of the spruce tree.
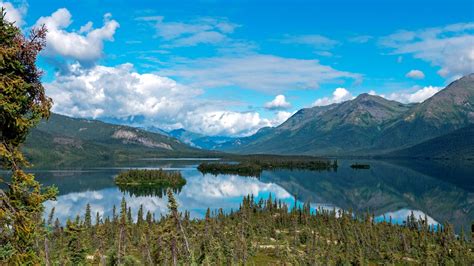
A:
(23, 105)
(88, 217)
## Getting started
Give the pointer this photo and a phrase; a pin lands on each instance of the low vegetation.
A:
(254, 165)
(265, 232)
(144, 177)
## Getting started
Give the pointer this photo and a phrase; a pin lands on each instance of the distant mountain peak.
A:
(367, 124)
(366, 97)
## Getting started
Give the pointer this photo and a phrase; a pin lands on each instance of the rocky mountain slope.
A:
(63, 140)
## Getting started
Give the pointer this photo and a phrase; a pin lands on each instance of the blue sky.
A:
(230, 68)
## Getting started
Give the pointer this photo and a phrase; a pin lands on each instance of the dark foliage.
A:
(360, 166)
(263, 232)
(144, 177)
(254, 165)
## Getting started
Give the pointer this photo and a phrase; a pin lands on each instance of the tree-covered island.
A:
(253, 165)
(152, 177)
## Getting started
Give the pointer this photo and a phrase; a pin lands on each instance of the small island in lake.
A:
(243, 169)
(254, 165)
(360, 166)
(145, 177)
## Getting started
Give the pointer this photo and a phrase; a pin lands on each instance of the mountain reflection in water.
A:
(390, 189)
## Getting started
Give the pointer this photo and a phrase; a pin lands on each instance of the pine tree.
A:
(140, 215)
(76, 253)
(88, 217)
(121, 245)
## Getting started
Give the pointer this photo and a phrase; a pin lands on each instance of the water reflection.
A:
(387, 189)
(199, 193)
(146, 191)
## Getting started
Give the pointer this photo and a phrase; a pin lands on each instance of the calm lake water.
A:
(442, 190)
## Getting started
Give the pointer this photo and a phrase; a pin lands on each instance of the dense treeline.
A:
(360, 166)
(243, 169)
(253, 166)
(145, 177)
(263, 232)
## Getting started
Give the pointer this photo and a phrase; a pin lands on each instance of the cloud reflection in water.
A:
(199, 193)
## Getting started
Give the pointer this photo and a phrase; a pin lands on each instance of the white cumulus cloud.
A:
(413, 96)
(118, 92)
(450, 47)
(339, 95)
(15, 13)
(222, 122)
(280, 117)
(121, 93)
(85, 45)
(415, 74)
(279, 103)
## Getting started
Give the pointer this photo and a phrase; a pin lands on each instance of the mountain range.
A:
(199, 140)
(369, 125)
(366, 125)
(63, 140)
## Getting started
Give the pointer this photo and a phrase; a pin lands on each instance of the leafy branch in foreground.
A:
(23, 105)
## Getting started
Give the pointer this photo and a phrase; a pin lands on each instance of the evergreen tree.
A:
(23, 105)
(88, 217)
(140, 215)
(76, 253)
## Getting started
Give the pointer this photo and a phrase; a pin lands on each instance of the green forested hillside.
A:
(450, 109)
(457, 144)
(65, 141)
(335, 129)
(367, 125)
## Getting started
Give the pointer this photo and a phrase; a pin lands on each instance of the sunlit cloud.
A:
(279, 103)
(339, 95)
(450, 47)
(85, 45)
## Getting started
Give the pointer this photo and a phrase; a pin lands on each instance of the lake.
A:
(441, 190)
